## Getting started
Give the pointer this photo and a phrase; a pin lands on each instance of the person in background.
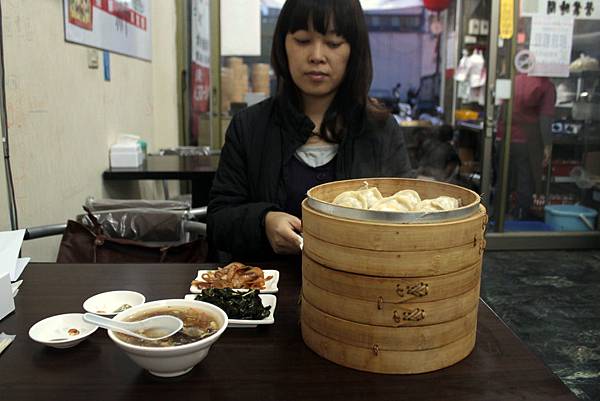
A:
(530, 140)
(396, 91)
(437, 157)
(319, 127)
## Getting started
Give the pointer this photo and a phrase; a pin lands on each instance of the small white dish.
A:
(61, 331)
(270, 285)
(267, 300)
(112, 302)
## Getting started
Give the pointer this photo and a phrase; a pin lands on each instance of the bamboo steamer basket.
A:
(393, 314)
(391, 289)
(385, 338)
(374, 360)
(391, 292)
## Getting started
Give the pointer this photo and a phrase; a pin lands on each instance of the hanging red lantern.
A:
(436, 5)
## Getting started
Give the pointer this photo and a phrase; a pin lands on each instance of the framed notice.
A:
(120, 26)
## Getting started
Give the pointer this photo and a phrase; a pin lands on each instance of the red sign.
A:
(120, 10)
(200, 88)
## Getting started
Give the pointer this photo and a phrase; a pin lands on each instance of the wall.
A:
(63, 116)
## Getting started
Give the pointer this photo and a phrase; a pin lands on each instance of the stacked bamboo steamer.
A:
(239, 78)
(226, 88)
(260, 78)
(391, 296)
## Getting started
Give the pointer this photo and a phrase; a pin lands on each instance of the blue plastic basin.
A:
(570, 217)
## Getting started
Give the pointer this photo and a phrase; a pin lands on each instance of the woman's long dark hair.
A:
(352, 95)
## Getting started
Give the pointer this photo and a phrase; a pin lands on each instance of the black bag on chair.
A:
(81, 244)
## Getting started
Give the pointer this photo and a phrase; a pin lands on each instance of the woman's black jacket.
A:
(250, 180)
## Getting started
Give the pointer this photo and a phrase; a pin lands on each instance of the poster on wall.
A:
(200, 64)
(120, 26)
(550, 44)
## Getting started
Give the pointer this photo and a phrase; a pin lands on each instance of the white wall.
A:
(63, 116)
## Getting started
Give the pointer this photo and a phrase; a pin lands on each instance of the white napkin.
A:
(10, 245)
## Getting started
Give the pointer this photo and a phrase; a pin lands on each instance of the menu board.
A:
(120, 26)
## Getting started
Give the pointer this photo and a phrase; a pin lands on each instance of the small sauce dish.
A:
(61, 331)
(112, 302)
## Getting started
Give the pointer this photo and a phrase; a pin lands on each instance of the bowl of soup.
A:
(203, 324)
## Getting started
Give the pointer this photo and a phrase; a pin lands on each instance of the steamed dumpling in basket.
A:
(412, 197)
(438, 204)
(351, 199)
(371, 196)
(402, 201)
(361, 199)
(406, 200)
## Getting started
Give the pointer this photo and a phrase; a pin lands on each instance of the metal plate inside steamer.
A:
(440, 188)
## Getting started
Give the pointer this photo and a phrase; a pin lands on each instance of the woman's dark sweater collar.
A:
(287, 115)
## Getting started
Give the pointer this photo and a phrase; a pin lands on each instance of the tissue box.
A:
(126, 155)
(7, 303)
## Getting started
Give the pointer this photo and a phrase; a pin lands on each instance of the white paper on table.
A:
(10, 245)
(15, 287)
(19, 267)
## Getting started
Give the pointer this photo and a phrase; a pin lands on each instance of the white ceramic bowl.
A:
(61, 331)
(107, 303)
(171, 361)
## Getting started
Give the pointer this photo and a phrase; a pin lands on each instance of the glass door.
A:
(543, 124)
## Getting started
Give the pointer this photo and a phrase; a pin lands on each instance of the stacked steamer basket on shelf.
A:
(391, 292)
(260, 78)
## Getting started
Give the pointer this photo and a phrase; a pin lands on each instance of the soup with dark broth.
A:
(197, 325)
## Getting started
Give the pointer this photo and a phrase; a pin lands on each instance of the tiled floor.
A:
(551, 300)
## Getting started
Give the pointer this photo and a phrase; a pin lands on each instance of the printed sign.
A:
(550, 43)
(120, 26)
(507, 16)
(578, 9)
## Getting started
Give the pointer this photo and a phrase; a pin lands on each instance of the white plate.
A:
(267, 300)
(107, 303)
(54, 331)
(270, 285)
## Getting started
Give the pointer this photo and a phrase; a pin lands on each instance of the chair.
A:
(127, 226)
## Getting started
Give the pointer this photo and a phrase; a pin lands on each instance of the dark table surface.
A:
(200, 170)
(264, 363)
(168, 167)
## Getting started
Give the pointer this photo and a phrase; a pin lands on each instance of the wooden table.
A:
(264, 363)
(200, 170)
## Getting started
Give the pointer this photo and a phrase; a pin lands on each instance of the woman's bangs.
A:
(320, 13)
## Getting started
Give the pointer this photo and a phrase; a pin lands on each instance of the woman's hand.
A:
(281, 229)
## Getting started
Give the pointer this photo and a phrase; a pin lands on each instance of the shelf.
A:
(560, 180)
(575, 140)
(471, 126)
(582, 74)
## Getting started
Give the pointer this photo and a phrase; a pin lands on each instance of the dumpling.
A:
(394, 203)
(411, 197)
(438, 204)
(371, 196)
(351, 199)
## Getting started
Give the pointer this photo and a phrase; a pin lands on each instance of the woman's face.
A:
(317, 62)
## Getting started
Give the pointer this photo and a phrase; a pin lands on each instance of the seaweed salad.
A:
(237, 304)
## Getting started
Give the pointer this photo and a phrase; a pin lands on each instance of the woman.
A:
(319, 127)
